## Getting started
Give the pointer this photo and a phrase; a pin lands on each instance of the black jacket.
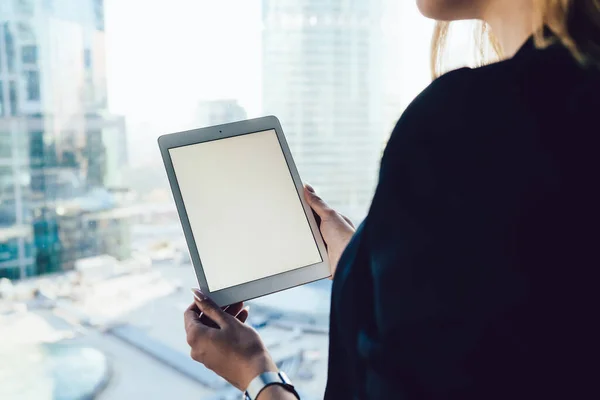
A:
(475, 274)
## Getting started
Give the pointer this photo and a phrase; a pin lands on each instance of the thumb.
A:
(209, 308)
(317, 204)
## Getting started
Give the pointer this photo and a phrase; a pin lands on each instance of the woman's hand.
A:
(224, 344)
(337, 230)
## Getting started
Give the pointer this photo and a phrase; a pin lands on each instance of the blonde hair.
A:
(575, 23)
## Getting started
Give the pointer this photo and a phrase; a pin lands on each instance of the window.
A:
(36, 149)
(99, 14)
(12, 97)
(2, 106)
(25, 32)
(8, 250)
(6, 146)
(32, 79)
(29, 54)
(9, 47)
(87, 219)
(87, 58)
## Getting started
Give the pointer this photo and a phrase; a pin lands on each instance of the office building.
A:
(16, 250)
(323, 77)
(216, 112)
(58, 142)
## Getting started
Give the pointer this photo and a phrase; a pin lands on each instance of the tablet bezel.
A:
(260, 287)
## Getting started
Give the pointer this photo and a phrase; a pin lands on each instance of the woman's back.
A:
(477, 263)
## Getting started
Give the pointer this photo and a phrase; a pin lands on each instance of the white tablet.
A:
(240, 200)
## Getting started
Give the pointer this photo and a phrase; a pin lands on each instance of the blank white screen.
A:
(243, 209)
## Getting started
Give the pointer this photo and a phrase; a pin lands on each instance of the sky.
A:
(164, 56)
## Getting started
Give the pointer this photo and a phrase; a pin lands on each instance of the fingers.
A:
(207, 321)
(238, 311)
(191, 316)
(234, 309)
(243, 315)
(194, 328)
(317, 204)
(209, 308)
(321, 209)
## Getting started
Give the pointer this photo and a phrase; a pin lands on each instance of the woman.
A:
(474, 274)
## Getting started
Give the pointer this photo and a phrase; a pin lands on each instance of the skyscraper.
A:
(55, 131)
(322, 76)
(215, 112)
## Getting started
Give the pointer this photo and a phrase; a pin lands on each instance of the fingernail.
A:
(310, 188)
(198, 294)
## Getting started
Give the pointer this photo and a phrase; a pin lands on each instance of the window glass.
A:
(94, 268)
(25, 32)
(2, 106)
(29, 54)
(9, 47)
(12, 97)
(32, 79)
(6, 147)
(87, 58)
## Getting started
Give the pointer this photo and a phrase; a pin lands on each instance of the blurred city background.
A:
(94, 270)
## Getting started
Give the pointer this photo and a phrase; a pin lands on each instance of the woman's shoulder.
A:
(506, 94)
(456, 105)
(462, 92)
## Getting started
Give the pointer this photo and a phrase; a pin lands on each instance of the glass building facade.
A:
(322, 76)
(55, 134)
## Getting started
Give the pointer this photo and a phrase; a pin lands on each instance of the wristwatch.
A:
(265, 379)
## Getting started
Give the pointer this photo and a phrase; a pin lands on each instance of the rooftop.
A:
(133, 318)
